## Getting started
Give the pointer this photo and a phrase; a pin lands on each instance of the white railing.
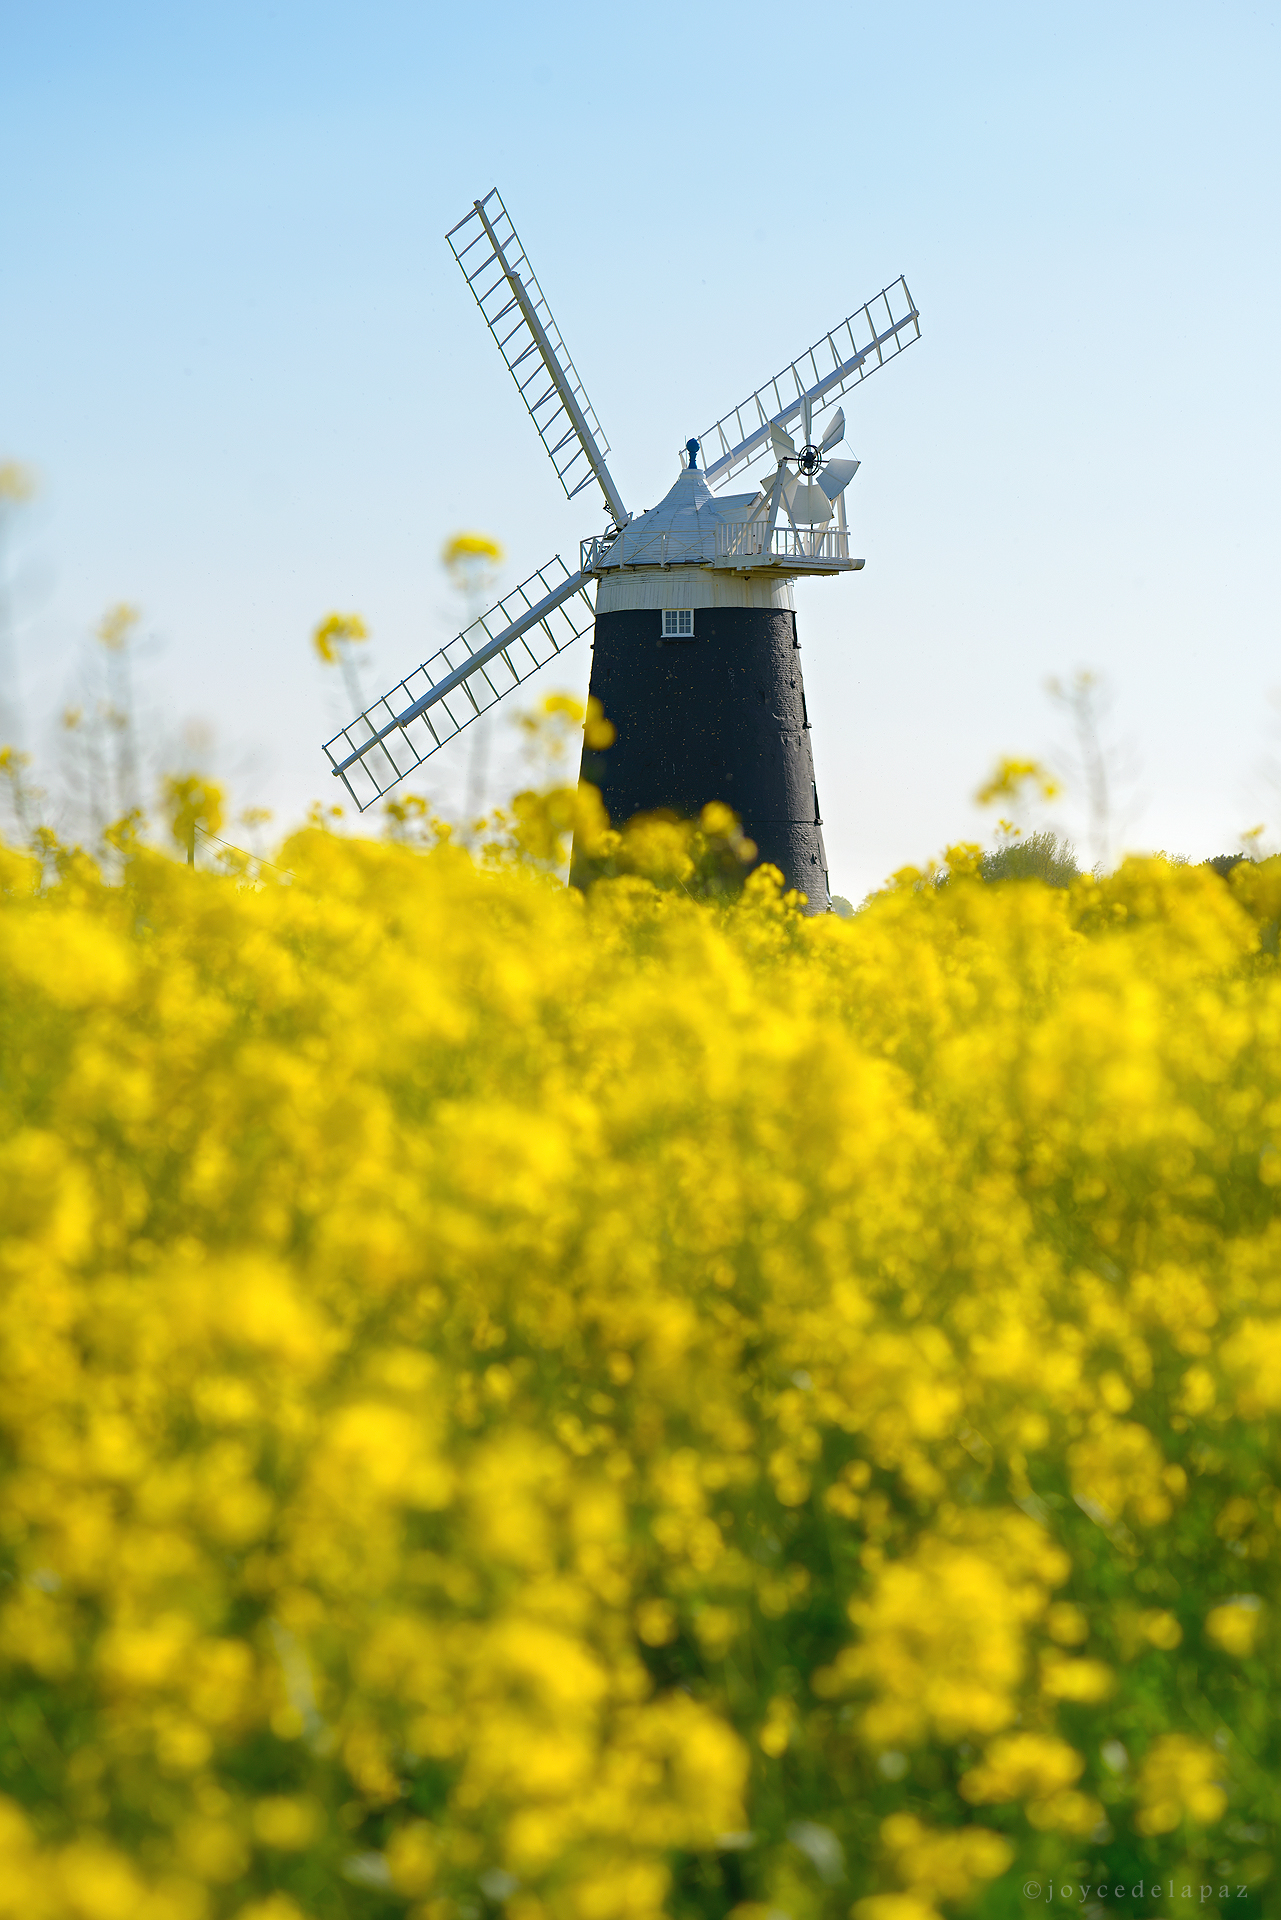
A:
(739, 543)
(751, 543)
(633, 547)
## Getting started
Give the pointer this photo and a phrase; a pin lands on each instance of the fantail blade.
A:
(833, 431)
(836, 476)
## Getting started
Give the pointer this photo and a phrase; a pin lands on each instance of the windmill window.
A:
(678, 623)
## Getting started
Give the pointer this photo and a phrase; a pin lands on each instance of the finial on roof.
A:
(691, 448)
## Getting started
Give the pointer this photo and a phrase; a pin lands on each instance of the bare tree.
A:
(17, 485)
(1097, 767)
(100, 760)
(22, 800)
(471, 561)
(1083, 698)
(115, 632)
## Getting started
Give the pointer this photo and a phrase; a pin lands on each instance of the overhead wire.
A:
(246, 855)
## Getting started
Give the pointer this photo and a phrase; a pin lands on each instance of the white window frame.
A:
(678, 623)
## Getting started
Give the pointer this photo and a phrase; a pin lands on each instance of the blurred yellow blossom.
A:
(336, 631)
(17, 481)
(1180, 1778)
(626, 1400)
(465, 546)
(192, 803)
(1235, 1626)
(1009, 779)
(117, 625)
(1019, 1766)
(943, 1865)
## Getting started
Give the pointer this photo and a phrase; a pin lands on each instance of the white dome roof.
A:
(681, 529)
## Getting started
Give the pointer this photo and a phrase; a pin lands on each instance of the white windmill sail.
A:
(837, 362)
(488, 249)
(432, 705)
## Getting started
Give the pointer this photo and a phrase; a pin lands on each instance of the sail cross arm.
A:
(861, 344)
(479, 667)
(497, 269)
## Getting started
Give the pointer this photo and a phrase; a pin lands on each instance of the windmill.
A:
(695, 657)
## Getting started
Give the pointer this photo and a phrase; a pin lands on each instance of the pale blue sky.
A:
(237, 349)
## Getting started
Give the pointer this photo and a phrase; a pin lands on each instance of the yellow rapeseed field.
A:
(592, 1405)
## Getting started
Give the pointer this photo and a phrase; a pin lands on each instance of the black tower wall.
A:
(720, 716)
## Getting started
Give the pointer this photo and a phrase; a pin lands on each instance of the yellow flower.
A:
(465, 546)
(1067, 1624)
(1161, 1628)
(1011, 776)
(335, 631)
(17, 482)
(1077, 1679)
(891, 1906)
(656, 1622)
(284, 1822)
(943, 1865)
(115, 629)
(192, 803)
(1179, 1779)
(1235, 1625)
(412, 1856)
(776, 1733)
(943, 1635)
(1022, 1766)
(1119, 1467)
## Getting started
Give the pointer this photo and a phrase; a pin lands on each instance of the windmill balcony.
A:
(797, 549)
(739, 545)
